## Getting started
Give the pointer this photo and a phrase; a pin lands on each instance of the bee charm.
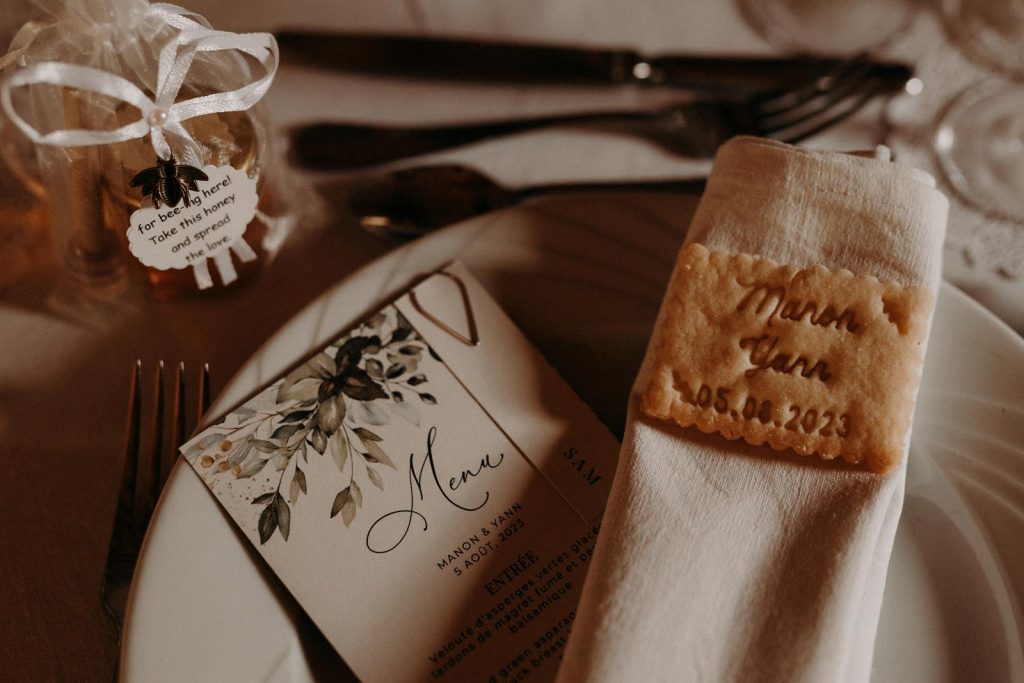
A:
(168, 182)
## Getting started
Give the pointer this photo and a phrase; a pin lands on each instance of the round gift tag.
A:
(181, 236)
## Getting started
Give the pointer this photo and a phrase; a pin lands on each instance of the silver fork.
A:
(145, 468)
(693, 129)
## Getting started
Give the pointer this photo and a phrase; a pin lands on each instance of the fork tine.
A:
(204, 393)
(816, 105)
(794, 136)
(144, 473)
(120, 560)
(146, 495)
(129, 466)
(786, 99)
(178, 428)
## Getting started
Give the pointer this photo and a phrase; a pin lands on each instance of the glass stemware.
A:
(979, 143)
(988, 31)
(979, 139)
(827, 26)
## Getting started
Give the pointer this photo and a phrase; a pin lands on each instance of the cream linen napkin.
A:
(719, 561)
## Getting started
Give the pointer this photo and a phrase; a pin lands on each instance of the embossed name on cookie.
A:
(812, 360)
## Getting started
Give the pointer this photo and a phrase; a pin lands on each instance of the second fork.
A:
(150, 451)
(693, 129)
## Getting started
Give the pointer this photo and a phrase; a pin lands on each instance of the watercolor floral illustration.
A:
(326, 407)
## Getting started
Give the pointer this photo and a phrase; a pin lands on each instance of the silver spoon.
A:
(411, 202)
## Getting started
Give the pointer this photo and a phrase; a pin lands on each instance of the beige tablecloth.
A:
(63, 385)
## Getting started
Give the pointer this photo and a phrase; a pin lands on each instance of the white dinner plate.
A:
(583, 279)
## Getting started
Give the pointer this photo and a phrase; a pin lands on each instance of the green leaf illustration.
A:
(361, 387)
(296, 416)
(353, 348)
(286, 431)
(370, 413)
(300, 391)
(342, 391)
(402, 330)
(318, 440)
(284, 517)
(376, 454)
(338, 447)
(240, 453)
(265, 446)
(375, 369)
(267, 523)
(375, 478)
(339, 502)
(251, 468)
(343, 503)
(409, 363)
(366, 435)
(330, 414)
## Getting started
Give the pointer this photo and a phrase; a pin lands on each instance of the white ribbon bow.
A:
(161, 115)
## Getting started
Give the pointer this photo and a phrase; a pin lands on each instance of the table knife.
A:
(510, 62)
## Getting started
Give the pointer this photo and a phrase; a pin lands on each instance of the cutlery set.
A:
(788, 99)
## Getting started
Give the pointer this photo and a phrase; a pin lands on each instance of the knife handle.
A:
(467, 60)
(338, 146)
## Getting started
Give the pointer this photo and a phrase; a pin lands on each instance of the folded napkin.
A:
(721, 561)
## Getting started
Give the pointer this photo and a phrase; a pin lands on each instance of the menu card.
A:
(426, 486)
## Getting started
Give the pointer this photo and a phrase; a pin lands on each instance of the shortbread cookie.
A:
(812, 360)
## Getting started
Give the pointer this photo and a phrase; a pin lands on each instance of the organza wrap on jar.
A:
(105, 88)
